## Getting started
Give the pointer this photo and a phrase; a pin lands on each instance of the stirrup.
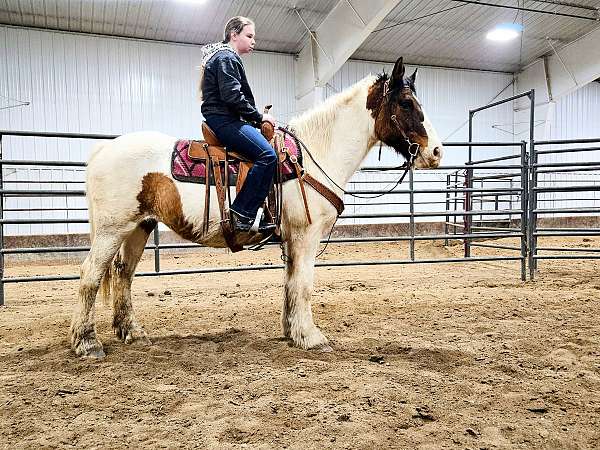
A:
(239, 223)
(243, 224)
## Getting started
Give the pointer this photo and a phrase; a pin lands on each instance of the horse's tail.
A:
(104, 289)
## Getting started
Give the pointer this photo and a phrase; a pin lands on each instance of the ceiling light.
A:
(505, 32)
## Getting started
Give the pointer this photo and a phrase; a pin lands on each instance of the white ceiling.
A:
(453, 38)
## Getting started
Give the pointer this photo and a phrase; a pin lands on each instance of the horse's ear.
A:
(398, 72)
(413, 77)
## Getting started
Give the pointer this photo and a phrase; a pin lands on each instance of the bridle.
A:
(413, 147)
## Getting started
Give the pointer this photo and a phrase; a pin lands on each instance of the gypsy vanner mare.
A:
(130, 187)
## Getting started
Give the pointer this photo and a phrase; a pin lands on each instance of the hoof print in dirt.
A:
(538, 409)
(424, 413)
(377, 359)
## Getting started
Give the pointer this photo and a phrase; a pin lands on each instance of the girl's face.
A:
(244, 42)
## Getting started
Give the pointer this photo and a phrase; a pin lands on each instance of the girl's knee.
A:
(269, 156)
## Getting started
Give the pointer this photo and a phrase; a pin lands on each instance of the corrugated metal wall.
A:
(92, 84)
(576, 115)
(85, 83)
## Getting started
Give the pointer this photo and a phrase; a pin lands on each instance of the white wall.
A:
(84, 83)
(576, 115)
(95, 84)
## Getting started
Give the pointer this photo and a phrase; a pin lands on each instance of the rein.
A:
(413, 150)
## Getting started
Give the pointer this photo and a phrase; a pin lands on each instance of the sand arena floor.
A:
(425, 356)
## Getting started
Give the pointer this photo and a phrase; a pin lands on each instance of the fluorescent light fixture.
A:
(505, 32)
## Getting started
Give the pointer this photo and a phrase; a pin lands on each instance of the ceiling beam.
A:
(556, 75)
(328, 47)
(563, 71)
(538, 11)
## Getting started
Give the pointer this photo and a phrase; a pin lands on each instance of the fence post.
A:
(467, 205)
(533, 159)
(448, 181)
(510, 197)
(524, 209)
(411, 185)
(156, 249)
(1, 226)
(534, 175)
(455, 217)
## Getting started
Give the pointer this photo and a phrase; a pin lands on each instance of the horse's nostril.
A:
(436, 152)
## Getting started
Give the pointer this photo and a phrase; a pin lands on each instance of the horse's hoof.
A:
(97, 353)
(94, 351)
(325, 348)
(88, 347)
(137, 338)
(132, 333)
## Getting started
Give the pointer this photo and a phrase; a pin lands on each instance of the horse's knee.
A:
(88, 287)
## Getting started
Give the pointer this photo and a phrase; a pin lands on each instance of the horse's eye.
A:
(406, 104)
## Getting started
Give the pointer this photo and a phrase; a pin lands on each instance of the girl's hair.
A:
(236, 25)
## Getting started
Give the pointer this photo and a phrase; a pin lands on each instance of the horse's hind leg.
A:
(121, 275)
(83, 328)
(296, 316)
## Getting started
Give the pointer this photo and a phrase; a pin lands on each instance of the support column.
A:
(329, 46)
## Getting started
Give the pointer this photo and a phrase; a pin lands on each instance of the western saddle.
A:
(217, 158)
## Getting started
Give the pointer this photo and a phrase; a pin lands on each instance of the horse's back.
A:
(129, 144)
(133, 151)
(116, 167)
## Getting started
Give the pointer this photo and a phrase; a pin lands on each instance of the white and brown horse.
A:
(130, 188)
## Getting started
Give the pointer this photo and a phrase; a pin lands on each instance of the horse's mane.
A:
(382, 76)
(315, 124)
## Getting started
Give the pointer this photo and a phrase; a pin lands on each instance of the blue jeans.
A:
(243, 138)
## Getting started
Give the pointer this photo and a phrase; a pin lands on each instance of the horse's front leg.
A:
(296, 317)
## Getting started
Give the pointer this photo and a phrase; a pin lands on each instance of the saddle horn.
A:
(266, 128)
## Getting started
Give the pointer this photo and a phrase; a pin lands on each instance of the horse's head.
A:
(400, 121)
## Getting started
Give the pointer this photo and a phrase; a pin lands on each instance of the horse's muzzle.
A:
(430, 158)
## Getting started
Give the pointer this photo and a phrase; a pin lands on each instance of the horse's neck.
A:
(339, 134)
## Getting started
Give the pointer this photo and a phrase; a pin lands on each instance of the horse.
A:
(130, 188)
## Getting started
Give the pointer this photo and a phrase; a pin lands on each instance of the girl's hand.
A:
(269, 118)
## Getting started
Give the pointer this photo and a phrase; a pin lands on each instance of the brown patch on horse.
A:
(160, 197)
(374, 98)
(148, 225)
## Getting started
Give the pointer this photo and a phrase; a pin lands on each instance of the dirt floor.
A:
(425, 356)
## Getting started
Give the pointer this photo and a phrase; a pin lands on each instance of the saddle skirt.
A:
(189, 162)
